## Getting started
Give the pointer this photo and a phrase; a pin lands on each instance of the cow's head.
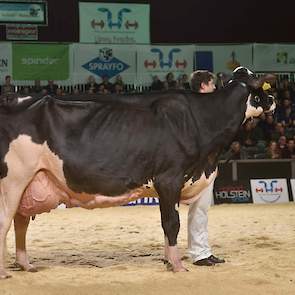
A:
(258, 101)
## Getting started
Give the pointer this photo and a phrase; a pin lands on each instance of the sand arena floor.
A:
(119, 250)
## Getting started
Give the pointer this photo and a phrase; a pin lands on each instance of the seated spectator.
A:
(102, 89)
(25, 90)
(183, 82)
(278, 131)
(272, 151)
(157, 84)
(170, 82)
(236, 152)
(289, 153)
(119, 81)
(7, 87)
(91, 85)
(51, 88)
(267, 125)
(249, 134)
(118, 88)
(60, 92)
(37, 88)
(285, 113)
(75, 91)
(282, 146)
(108, 86)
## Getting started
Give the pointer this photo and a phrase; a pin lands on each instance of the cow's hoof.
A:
(4, 275)
(170, 267)
(29, 267)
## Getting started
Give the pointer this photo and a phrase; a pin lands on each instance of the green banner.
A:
(40, 62)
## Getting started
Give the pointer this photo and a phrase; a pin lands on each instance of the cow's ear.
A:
(270, 78)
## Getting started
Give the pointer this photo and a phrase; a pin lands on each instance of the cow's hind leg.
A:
(21, 224)
(10, 195)
(169, 198)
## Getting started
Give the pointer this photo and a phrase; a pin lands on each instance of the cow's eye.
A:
(257, 99)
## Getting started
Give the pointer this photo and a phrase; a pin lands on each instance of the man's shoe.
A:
(215, 259)
(204, 262)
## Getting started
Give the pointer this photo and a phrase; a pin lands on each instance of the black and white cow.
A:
(107, 150)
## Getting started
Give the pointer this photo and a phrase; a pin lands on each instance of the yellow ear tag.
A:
(266, 86)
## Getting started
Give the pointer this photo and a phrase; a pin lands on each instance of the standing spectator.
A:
(198, 243)
(91, 85)
(7, 87)
(157, 84)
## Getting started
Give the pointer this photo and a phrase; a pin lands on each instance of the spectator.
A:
(170, 82)
(51, 88)
(118, 81)
(267, 125)
(183, 82)
(108, 86)
(118, 88)
(282, 146)
(272, 151)
(278, 131)
(37, 88)
(91, 85)
(7, 87)
(285, 113)
(289, 153)
(236, 152)
(102, 89)
(157, 84)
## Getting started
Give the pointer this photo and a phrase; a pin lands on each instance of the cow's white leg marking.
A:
(21, 224)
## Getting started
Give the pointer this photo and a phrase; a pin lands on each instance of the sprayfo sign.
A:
(112, 23)
(100, 61)
(39, 62)
(266, 191)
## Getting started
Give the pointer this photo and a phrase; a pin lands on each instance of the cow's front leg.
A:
(169, 194)
(21, 224)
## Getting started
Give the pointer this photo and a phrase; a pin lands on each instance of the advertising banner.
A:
(99, 61)
(292, 182)
(114, 23)
(40, 62)
(5, 61)
(265, 191)
(223, 58)
(21, 32)
(232, 192)
(274, 57)
(160, 60)
(23, 12)
(144, 201)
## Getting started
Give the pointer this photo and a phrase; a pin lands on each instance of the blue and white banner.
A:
(160, 60)
(100, 61)
(265, 191)
(114, 23)
(274, 57)
(223, 58)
